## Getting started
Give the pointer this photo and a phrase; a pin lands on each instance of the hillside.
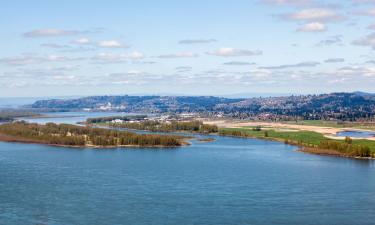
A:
(343, 106)
(127, 103)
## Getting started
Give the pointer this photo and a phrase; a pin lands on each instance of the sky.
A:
(82, 47)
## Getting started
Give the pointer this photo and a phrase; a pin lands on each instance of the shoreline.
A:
(12, 139)
(327, 152)
(312, 148)
(305, 149)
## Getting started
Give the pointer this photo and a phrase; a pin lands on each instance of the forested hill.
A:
(336, 105)
(139, 103)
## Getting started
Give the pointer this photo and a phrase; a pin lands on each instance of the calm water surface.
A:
(356, 134)
(230, 181)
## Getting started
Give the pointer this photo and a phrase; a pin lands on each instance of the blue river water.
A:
(229, 181)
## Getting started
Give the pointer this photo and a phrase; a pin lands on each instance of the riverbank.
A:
(313, 142)
(327, 152)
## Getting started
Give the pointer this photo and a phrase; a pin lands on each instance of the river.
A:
(229, 181)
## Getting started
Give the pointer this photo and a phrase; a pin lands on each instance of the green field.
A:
(307, 137)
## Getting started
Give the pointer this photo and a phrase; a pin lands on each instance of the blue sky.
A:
(51, 48)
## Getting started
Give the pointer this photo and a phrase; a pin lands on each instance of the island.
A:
(83, 136)
(157, 124)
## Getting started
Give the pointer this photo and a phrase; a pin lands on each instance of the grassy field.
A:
(303, 138)
(308, 137)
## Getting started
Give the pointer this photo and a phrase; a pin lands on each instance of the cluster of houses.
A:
(159, 118)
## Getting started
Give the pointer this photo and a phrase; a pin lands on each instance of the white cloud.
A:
(111, 44)
(55, 58)
(313, 27)
(358, 71)
(118, 58)
(52, 45)
(178, 55)
(314, 15)
(82, 41)
(51, 33)
(31, 59)
(64, 77)
(232, 52)
(135, 55)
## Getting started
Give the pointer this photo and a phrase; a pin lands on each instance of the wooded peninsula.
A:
(83, 136)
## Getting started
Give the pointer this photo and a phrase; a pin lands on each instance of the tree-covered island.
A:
(83, 136)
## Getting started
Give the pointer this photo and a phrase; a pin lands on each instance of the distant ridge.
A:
(343, 106)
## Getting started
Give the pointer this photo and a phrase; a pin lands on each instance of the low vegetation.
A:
(311, 141)
(80, 136)
(156, 126)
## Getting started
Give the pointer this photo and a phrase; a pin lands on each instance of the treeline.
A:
(239, 133)
(112, 118)
(347, 148)
(72, 135)
(156, 126)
